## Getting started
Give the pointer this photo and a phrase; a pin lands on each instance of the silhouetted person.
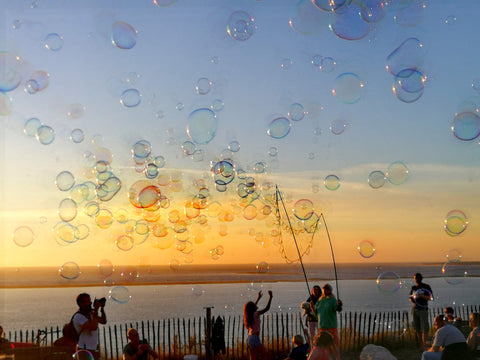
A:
(218, 337)
(420, 308)
(5, 345)
(137, 349)
(86, 322)
(448, 344)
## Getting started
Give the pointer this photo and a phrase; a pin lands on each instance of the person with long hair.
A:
(324, 347)
(326, 309)
(252, 322)
(312, 320)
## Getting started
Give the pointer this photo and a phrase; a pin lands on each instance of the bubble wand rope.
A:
(333, 256)
(279, 196)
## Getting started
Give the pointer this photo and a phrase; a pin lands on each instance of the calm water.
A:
(31, 308)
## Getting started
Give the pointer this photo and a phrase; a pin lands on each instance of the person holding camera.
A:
(86, 322)
(137, 349)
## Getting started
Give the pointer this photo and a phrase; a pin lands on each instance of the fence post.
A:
(208, 331)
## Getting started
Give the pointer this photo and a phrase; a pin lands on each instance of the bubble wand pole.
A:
(333, 256)
(279, 196)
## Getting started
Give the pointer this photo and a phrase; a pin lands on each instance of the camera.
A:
(101, 302)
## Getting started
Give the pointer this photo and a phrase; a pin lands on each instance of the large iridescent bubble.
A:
(348, 23)
(466, 126)
(124, 36)
(202, 126)
(279, 128)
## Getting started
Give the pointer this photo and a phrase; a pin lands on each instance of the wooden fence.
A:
(175, 338)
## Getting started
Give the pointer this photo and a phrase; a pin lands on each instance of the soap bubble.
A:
(456, 222)
(366, 248)
(328, 64)
(397, 173)
(338, 126)
(104, 218)
(45, 135)
(348, 88)
(466, 126)
(348, 23)
(240, 26)
(388, 282)
(105, 267)
(124, 36)
(202, 126)
(75, 111)
(303, 209)
(373, 11)
(82, 355)
(130, 98)
(124, 242)
(410, 54)
(77, 136)
(53, 42)
(38, 81)
(286, 64)
(332, 182)
(203, 86)
(422, 294)
(408, 85)
(197, 290)
(70, 270)
(296, 112)
(234, 146)
(11, 74)
(67, 209)
(65, 181)
(31, 126)
(454, 254)
(454, 272)
(23, 236)
(279, 128)
(263, 267)
(120, 294)
(217, 105)
(376, 179)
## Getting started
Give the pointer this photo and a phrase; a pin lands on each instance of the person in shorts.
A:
(252, 322)
(420, 295)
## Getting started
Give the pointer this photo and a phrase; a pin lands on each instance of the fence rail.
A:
(176, 337)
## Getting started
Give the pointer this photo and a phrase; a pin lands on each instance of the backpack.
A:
(69, 331)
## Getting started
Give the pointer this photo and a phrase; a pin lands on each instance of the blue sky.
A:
(178, 44)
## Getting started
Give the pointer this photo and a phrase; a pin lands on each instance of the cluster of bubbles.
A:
(44, 134)
(347, 20)
(397, 174)
(405, 65)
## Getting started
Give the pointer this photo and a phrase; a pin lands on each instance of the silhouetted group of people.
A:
(449, 342)
(321, 341)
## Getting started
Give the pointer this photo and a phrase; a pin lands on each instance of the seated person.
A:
(448, 344)
(473, 341)
(300, 349)
(324, 347)
(136, 349)
(64, 344)
(5, 345)
(449, 314)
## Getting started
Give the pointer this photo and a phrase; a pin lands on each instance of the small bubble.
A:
(286, 64)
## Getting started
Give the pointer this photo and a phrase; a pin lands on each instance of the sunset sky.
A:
(283, 92)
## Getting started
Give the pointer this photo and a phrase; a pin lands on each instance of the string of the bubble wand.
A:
(333, 256)
(277, 196)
